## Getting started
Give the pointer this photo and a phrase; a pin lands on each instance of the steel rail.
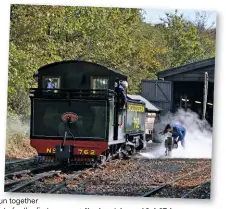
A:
(154, 191)
(194, 189)
(33, 180)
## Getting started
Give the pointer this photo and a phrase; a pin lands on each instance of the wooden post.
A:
(185, 96)
(181, 102)
(205, 94)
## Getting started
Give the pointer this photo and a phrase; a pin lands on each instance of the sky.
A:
(153, 15)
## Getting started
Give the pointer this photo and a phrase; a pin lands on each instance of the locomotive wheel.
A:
(141, 145)
(106, 156)
(130, 149)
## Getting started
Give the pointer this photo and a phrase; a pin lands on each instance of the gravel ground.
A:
(186, 185)
(133, 177)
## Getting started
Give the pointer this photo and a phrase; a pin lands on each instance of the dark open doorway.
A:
(189, 95)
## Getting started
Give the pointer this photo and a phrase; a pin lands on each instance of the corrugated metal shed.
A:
(149, 106)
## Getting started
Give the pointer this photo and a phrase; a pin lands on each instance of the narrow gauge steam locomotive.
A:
(83, 120)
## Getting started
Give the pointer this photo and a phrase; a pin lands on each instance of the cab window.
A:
(99, 83)
(50, 82)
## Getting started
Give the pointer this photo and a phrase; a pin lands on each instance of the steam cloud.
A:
(198, 139)
(17, 125)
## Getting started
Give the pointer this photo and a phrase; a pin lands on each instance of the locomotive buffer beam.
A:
(64, 152)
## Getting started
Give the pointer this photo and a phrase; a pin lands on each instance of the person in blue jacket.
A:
(177, 131)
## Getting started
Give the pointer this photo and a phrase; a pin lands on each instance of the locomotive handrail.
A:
(72, 90)
(42, 92)
(85, 90)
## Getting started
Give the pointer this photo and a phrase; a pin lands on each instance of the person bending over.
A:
(177, 131)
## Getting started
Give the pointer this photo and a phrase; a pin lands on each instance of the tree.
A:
(117, 38)
(113, 37)
(207, 33)
(201, 21)
(183, 41)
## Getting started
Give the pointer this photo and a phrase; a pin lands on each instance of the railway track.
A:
(41, 182)
(16, 165)
(191, 192)
(139, 179)
(32, 169)
(162, 173)
(11, 162)
(26, 183)
(22, 176)
(67, 181)
(21, 181)
(158, 191)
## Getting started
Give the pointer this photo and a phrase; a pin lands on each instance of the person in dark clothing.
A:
(177, 131)
(123, 85)
(121, 89)
(50, 85)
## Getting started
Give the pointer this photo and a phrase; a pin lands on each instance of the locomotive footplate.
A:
(64, 152)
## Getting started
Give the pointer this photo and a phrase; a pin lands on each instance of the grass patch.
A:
(18, 147)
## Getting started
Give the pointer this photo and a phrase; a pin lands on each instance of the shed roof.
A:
(187, 67)
(149, 106)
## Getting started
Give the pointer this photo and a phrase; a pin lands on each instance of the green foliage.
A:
(184, 42)
(114, 37)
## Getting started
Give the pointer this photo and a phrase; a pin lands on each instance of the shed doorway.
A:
(189, 95)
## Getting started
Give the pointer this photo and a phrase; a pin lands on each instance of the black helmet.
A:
(166, 128)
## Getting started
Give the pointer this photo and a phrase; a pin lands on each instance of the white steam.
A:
(198, 139)
(17, 125)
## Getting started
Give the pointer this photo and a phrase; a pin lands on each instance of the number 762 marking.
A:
(86, 151)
